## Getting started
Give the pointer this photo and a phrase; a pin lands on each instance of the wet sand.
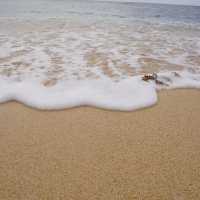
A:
(89, 154)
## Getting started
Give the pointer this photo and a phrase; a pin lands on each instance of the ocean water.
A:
(57, 54)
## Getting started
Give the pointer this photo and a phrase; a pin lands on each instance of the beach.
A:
(99, 100)
(87, 153)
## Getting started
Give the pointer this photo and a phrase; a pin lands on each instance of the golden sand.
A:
(92, 154)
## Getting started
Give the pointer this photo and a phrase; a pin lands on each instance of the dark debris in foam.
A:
(154, 77)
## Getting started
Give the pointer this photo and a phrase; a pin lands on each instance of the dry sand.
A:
(89, 154)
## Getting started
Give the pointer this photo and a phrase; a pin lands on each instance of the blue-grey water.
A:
(92, 8)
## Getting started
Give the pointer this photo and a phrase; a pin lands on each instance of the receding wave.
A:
(61, 63)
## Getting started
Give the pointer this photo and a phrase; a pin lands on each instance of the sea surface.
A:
(56, 54)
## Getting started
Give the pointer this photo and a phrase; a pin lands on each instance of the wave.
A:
(56, 64)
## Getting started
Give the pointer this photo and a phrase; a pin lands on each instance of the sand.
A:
(92, 154)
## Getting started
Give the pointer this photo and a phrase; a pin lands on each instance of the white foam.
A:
(184, 79)
(126, 95)
(58, 64)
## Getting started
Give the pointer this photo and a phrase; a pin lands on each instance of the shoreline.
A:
(89, 153)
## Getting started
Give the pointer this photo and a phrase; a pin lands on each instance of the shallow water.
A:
(58, 54)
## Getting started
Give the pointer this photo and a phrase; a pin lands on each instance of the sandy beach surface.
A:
(92, 154)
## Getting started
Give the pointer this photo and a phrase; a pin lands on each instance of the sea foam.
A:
(126, 95)
(59, 63)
